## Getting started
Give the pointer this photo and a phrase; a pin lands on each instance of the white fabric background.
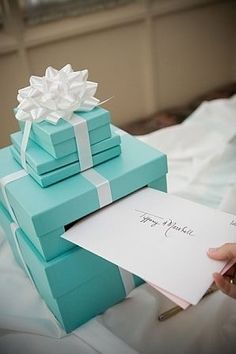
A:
(202, 167)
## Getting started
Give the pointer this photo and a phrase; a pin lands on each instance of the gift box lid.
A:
(41, 162)
(58, 133)
(75, 197)
(55, 176)
(52, 244)
(49, 246)
(69, 146)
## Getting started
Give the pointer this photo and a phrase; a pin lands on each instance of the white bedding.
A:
(202, 167)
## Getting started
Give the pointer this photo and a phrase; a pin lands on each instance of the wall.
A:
(149, 55)
(194, 50)
(233, 58)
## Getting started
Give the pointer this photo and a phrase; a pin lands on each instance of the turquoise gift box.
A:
(76, 286)
(44, 213)
(59, 140)
(42, 162)
(47, 170)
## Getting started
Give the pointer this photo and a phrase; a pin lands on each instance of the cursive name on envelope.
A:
(160, 237)
(169, 226)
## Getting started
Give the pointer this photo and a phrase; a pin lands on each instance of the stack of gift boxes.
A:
(52, 154)
(56, 188)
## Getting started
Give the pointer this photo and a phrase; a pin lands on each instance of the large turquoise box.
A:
(76, 286)
(59, 139)
(44, 213)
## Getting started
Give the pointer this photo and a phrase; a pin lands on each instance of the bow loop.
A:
(50, 73)
(56, 95)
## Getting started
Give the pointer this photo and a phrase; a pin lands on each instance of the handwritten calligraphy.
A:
(167, 224)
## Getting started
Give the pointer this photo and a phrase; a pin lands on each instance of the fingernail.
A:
(212, 250)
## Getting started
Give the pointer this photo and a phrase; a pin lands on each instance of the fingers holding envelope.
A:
(227, 282)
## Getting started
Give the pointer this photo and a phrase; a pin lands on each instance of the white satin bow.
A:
(56, 95)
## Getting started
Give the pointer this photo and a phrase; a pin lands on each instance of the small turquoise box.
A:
(42, 162)
(59, 140)
(43, 212)
(76, 286)
(46, 170)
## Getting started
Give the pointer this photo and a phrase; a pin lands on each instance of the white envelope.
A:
(162, 238)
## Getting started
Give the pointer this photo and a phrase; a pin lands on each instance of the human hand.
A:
(226, 282)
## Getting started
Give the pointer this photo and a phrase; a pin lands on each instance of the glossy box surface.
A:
(41, 162)
(65, 202)
(76, 286)
(68, 170)
(59, 140)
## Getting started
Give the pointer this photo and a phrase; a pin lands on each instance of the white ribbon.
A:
(103, 188)
(4, 181)
(14, 225)
(105, 197)
(14, 228)
(127, 279)
(52, 97)
(82, 141)
(24, 143)
(102, 185)
(56, 95)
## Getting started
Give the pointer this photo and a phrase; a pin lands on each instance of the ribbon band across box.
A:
(71, 299)
(64, 135)
(46, 170)
(60, 204)
(60, 140)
